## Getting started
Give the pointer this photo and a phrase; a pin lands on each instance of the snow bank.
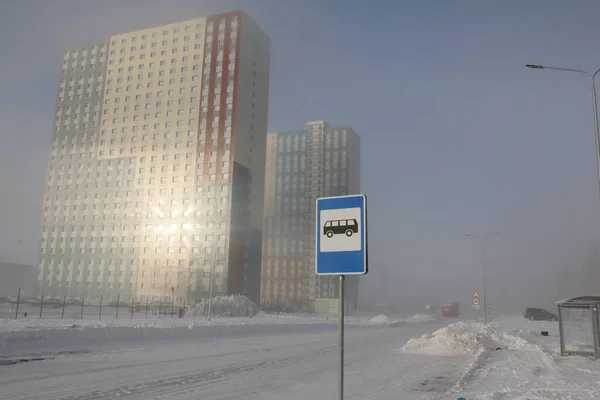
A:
(465, 338)
(380, 320)
(384, 320)
(528, 367)
(229, 306)
(41, 333)
(35, 325)
(420, 318)
(28, 333)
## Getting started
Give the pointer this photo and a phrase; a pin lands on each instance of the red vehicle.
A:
(450, 310)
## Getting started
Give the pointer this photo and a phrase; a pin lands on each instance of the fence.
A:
(23, 305)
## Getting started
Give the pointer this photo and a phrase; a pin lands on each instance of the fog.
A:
(457, 135)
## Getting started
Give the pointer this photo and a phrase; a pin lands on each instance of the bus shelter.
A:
(578, 326)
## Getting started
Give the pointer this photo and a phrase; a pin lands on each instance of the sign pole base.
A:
(341, 329)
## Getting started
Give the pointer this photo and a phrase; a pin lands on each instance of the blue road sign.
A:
(341, 239)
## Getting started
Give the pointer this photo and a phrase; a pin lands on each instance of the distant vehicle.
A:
(170, 311)
(450, 310)
(538, 314)
(46, 303)
(74, 302)
(340, 226)
(117, 304)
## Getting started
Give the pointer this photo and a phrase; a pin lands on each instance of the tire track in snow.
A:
(149, 387)
(197, 379)
(58, 389)
(213, 377)
(173, 372)
(279, 367)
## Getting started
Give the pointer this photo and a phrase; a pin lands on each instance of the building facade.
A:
(155, 180)
(302, 166)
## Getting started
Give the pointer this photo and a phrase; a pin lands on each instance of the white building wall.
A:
(252, 111)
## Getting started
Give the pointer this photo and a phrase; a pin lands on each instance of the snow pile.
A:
(383, 320)
(380, 320)
(228, 306)
(420, 318)
(527, 367)
(22, 325)
(35, 335)
(465, 338)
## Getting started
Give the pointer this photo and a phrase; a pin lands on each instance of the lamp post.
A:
(210, 285)
(172, 301)
(217, 233)
(592, 77)
(484, 262)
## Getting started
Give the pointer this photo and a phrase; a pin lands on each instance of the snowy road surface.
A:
(277, 365)
(238, 359)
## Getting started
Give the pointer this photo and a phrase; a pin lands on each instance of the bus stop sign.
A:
(341, 237)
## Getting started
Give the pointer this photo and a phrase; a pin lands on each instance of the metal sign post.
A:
(341, 249)
(341, 329)
(358, 305)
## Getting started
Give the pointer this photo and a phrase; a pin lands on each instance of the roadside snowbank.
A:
(508, 359)
(229, 306)
(420, 318)
(465, 338)
(21, 334)
(35, 335)
(166, 323)
(414, 319)
(380, 320)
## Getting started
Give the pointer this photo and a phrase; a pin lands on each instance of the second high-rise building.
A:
(302, 166)
(155, 180)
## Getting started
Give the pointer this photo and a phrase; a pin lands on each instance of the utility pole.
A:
(216, 251)
(484, 262)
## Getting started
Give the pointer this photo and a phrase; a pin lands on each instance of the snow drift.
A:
(380, 320)
(228, 306)
(32, 334)
(420, 318)
(465, 338)
(384, 320)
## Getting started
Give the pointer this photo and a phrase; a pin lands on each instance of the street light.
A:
(172, 301)
(592, 77)
(482, 238)
(217, 233)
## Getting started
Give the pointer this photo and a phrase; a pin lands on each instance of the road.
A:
(279, 365)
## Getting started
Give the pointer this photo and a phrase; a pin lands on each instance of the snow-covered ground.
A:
(7, 325)
(294, 357)
(510, 359)
(394, 322)
(40, 335)
(269, 361)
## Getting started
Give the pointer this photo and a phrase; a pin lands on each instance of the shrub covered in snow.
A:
(228, 306)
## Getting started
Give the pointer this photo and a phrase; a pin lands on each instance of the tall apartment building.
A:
(155, 182)
(302, 166)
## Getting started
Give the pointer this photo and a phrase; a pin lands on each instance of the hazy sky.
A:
(458, 136)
